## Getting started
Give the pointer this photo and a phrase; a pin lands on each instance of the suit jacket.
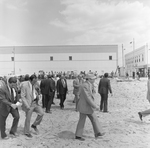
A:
(53, 85)
(104, 86)
(5, 98)
(60, 89)
(86, 103)
(27, 95)
(46, 87)
(76, 85)
(42, 86)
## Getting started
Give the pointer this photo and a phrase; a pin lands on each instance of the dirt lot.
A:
(122, 126)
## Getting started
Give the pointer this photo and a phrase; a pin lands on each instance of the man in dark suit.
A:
(42, 87)
(48, 94)
(8, 100)
(104, 88)
(53, 86)
(62, 90)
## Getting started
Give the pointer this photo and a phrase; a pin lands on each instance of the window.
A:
(70, 58)
(110, 57)
(51, 58)
(142, 57)
(12, 58)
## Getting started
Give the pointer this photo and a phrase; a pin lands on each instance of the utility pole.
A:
(14, 59)
(122, 56)
(147, 57)
(123, 65)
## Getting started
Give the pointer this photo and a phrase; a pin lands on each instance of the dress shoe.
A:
(99, 135)
(13, 134)
(35, 128)
(29, 135)
(5, 138)
(79, 138)
(105, 112)
(140, 115)
(48, 111)
(61, 107)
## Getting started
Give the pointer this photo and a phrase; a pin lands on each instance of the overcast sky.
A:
(75, 22)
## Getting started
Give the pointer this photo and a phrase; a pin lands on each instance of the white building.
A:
(29, 59)
(138, 61)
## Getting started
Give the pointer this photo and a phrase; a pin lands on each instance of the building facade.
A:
(138, 61)
(29, 59)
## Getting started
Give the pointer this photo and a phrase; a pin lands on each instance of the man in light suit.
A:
(104, 88)
(86, 107)
(29, 97)
(76, 84)
(8, 100)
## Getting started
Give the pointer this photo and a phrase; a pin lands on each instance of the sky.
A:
(75, 22)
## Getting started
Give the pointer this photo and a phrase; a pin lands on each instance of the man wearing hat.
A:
(86, 106)
(8, 100)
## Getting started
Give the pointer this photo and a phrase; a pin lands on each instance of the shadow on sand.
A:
(66, 135)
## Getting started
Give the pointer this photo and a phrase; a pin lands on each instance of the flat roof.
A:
(59, 49)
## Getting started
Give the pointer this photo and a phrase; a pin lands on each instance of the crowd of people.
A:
(25, 92)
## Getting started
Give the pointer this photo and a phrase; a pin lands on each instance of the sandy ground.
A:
(122, 126)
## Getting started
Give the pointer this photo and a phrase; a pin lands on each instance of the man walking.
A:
(29, 97)
(62, 90)
(104, 88)
(53, 87)
(42, 87)
(8, 100)
(86, 106)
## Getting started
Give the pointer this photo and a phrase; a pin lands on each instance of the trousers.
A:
(145, 113)
(95, 123)
(48, 102)
(62, 99)
(34, 108)
(104, 102)
(14, 126)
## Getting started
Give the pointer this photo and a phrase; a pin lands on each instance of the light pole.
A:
(133, 65)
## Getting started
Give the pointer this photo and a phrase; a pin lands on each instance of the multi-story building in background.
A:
(138, 61)
(31, 59)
